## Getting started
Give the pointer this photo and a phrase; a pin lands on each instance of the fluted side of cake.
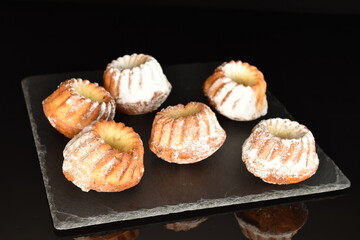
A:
(237, 90)
(280, 151)
(105, 156)
(186, 134)
(137, 83)
(75, 104)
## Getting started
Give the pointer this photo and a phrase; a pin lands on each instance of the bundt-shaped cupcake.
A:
(237, 90)
(75, 104)
(185, 225)
(272, 223)
(105, 156)
(186, 134)
(137, 83)
(280, 151)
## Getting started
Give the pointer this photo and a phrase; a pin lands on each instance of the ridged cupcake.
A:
(186, 134)
(75, 104)
(137, 83)
(237, 90)
(105, 156)
(280, 151)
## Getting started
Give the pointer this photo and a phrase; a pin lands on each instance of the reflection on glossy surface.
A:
(123, 235)
(185, 225)
(279, 222)
(272, 223)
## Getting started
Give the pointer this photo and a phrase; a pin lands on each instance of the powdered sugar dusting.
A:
(288, 158)
(89, 160)
(92, 108)
(106, 107)
(78, 140)
(186, 139)
(78, 149)
(69, 101)
(110, 111)
(52, 121)
(235, 100)
(102, 111)
(140, 82)
(109, 165)
(136, 79)
(82, 102)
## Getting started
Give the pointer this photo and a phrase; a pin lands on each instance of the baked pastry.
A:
(272, 223)
(137, 83)
(75, 104)
(185, 225)
(186, 134)
(123, 235)
(237, 90)
(280, 151)
(105, 156)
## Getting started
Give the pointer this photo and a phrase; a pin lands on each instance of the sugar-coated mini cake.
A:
(272, 223)
(237, 90)
(123, 235)
(137, 83)
(75, 104)
(280, 151)
(105, 156)
(186, 134)
(185, 225)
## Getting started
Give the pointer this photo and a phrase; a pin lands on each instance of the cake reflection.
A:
(185, 225)
(122, 235)
(272, 223)
(280, 222)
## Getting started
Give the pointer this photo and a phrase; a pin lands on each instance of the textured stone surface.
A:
(220, 180)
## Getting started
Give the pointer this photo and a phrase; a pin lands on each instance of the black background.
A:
(309, 54)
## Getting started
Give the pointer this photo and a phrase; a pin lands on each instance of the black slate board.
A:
(220, 180)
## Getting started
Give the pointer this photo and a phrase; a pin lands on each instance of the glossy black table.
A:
(311, 61)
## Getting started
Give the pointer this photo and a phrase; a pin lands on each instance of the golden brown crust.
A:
(186, 139)
(267, 223)
(104, 167)
(219, 79)
(69, 112)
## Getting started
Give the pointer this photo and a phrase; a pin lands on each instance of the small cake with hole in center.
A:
(237, 90)
(137, 83)
(272, 223)
(105, 156)
(75, 104)
(186, 134)
(280, 151)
